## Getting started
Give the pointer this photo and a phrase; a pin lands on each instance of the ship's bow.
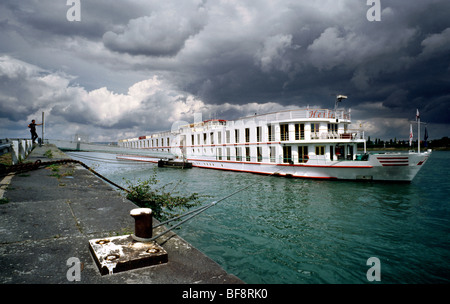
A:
(401, 167)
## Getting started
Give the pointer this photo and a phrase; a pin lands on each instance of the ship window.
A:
(258, 134)
(238, 154)
(287, 154)
(332, 128)
(247, 153)
(284, 131)
(302, 154)
(314, 130)
(236, 135)
(192, 139)
(219, 137)
(219, 153)
(211, 135)
(315, 127)
(247, 134)
(272, 154)
(228, 154)
(204, 138)
(320, 150)
(299, 131)
(228, 137)
(270, 132)
(259, 154)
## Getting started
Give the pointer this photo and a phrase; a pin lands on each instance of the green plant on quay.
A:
(48, 154)
(164, 204)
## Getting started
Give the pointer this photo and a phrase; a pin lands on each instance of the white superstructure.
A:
(307, 143)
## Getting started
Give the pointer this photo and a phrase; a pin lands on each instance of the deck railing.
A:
(297, 114)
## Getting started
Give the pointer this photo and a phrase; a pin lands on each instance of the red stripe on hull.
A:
(286, 165)
(393, 161)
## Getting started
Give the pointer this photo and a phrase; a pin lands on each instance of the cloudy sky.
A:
(131, 67)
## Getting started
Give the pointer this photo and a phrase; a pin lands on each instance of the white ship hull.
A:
(396, 167)
(304, 143)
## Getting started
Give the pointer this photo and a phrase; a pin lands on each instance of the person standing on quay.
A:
(32, 127)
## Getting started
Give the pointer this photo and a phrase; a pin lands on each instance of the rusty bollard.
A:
(143, 223)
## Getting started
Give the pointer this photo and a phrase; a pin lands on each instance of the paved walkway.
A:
(48, 216)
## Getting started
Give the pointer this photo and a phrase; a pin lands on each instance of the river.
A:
(282, 231)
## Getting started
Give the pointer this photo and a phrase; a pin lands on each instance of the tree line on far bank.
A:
(438, 144)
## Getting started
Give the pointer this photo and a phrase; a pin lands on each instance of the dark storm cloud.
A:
(227, 57)
(162, 33)
(401, 61)
(48, 17)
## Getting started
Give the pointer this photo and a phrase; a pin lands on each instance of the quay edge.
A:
(50, 218)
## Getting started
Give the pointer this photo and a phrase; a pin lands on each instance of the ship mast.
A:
(418, 130)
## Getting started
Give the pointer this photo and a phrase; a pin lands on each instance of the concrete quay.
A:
(48, 216)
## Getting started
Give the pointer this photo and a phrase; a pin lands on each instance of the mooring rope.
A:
(104, 160)
(196, 212)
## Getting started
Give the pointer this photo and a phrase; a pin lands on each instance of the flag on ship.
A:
(410, 135)
(417, 115)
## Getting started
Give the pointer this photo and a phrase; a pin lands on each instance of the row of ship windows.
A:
(148, 143)
(299, 134)
(244, 154)
(287, 154)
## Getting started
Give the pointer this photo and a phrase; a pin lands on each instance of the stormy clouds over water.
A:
(131, 67)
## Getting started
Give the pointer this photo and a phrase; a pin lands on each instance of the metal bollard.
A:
(143, 224)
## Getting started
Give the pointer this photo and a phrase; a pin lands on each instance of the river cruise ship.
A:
(303, 143)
